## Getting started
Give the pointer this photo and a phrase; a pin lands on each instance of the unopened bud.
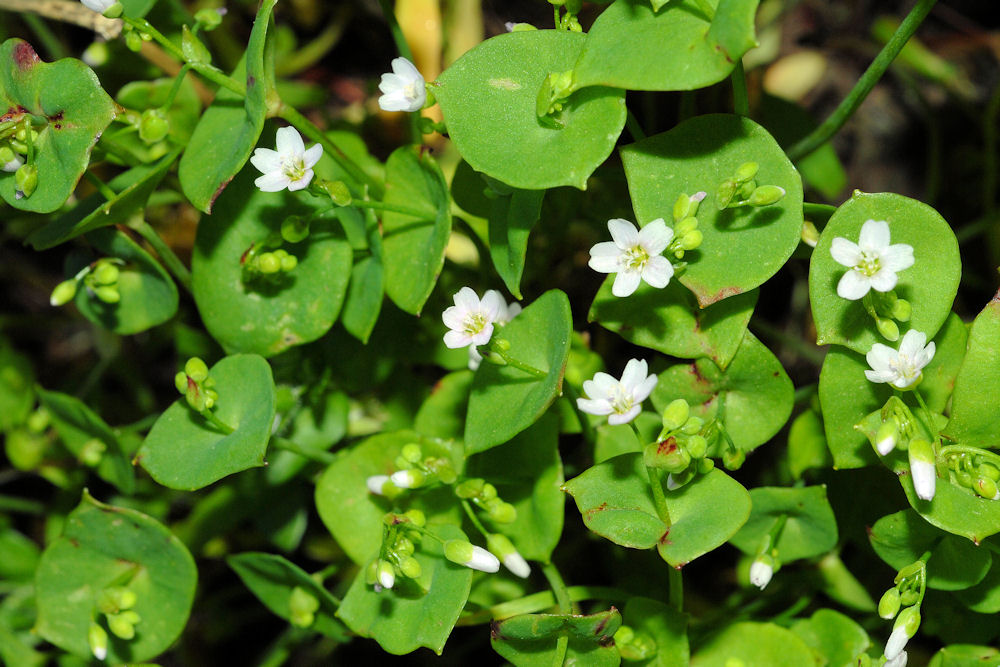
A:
(410, 567)
(339, 194)
(810, 235)
(766, 195)
(693, 425)
(385, 575)
(25, 180)
(676, 414)
(9, 160)
(196, 369)
(114, 11)
(985, 487)
(732, 459)
(470, 488)
(686, 225)
(508, 555)
(724, 195)
(888, 606)
(922, 470)
(692, 240)
(63, 293)
(192, 48)
(303, 606)
(153, 126)
(208, 18)
(887, 328)
(98, 640)
(107, 293)
(123, 625)
(902, 310)
(408, 479)
(412, 453)
(885, 437)
(666, 454)
(745, 172)
(294, 229)
(501, 512)
(105, 273)
(133, 41)
(761, 571)
(908, 620)
(989, 470)
(417, 517)
(469, 555)
(697, 446)
(92, 452)
(268, 262)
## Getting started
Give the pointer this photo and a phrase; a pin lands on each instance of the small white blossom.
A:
(376, 484)
(872, 263)
(517, 565)
(289, 166)
(482, 560)
(403, 88)
(898, 661)
(471, 319)
(902, 369)
(12, 165)
(761, 573)
(408, 479)
(923, 473)
(897, 642)
(620, 400)
(99, 6)
(386, 576)
(507, 313)
(634, 255)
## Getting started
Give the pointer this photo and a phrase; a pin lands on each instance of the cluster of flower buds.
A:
(555, 90)
(680, 448)
(886, 309)
(483, 495)
(261, 262)
(26, 445)
(401, 533)
(634, 646)
(741, 189)
(99, 278)
(974, 469)
(687, 236)
(115, 604)
(133, 36)
(568, 20)
(302, 607)
(902, 602)
(413, 471)
(16, 139)
(899, 430)
(196, 385)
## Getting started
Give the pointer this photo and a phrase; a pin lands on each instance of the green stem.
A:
(517, 363)
(586, 428)
(170, 260)
(45, 35)
(925, 415)
(404, 50)
(817, 212)
(214, 420)
(559, 589)
(676, 588)
(382, 206)
(175, 88)
(741, 101)
(101, 186)
(15, 504)
(326, 573)
(325, 458)
(655, 482)
(632, 123)
(541, 601)
(142, 25)
(475, 519)
(850, 104)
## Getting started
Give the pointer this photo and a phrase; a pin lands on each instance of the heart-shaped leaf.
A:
(810, 528)
(976, 402)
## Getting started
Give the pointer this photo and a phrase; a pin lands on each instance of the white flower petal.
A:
(642, 392)
(853, 285)
(845, 252)
(391, 83)
(883, 280)
(624, 418)
(517, 565)
(604, 257)
(626, 282)
(634, 374)
(475, 359)
(760, 574)
(266, 160)
(602, 385)
(658, 271)
(406, 70)
(394, 101)
(874, 235)
(483, 560)
(301, 183)
(466, 299)
(288, 141)
(273, 181)
(493, 305)
(454, 317)
(913, 343)
(655, 237)
(924, 478)
(881, 357)
(594, 407)
(455, 339)
(312, 156)
(896, 644)
(482, 337)
(897, 257)
(623, 232)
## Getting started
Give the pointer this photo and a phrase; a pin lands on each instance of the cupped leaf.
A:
(664, 625)
(185, 451)
(929, 285)
(413, 245)
(531, 640)
(976, 401)
(754, 644)
(412, 613)
(742, 247)
(834, 636)
(955, 564)
(272, 579)
(251, 314)
(753, 395)
(104, 546)
(506, 400)
(636, 46)
(489, 98)
(810, 528)
(66, 106)
(668, 320)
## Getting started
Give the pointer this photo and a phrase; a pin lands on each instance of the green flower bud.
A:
(385, 574)
(25, 180)
(92, 452)
(123, 625)
(909, 597)
(911, 570)
(25, 450)
(810, 235)
(303, 606)
(196, 369)
(744, 191)
(208, 18)
(289, 262)
(133, 41)
(489, 491)
(404, 546)
(501, 512)
(502, 344)
(908, 620)
(693, 425)
(115, 599)
(724, 195)
(686, 225)
(676, 414)
(98, 640)
(733, 459)
(666, 454)
(902, 310)
(63, 293)
(634, 645)
(371, 573)
(9, 157)
(745, 172)
(985, 487)
(681, 207)
(154, 126)
(705, 466)
(107, 293)
(989, 471)
(766, 195)
(470, 488)
(105, 273)
(888, 606)
(888, 329)
(444, 470)
(964, 479)
(412, 453)
(268, 263)
(114, 11)
(294, 229)
(181, 382)
(697, 446)
(417, 517)
(339, 194)
(410, 567)
(192, 48)
(692, 239)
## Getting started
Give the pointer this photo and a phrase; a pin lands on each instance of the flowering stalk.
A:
(655, 482)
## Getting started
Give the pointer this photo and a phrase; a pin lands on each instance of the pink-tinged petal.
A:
(406, 70)
(883, 280)
(642, 392)
(845, 252)
(658, 271)
(493, 305)
(274, 181)
(623, 232)
(897, 257)
(289, 142)
(912, 344)
(474, 358)
(302, 183)
(454, 317)
(880, 357)
(312, 156)
(266, 160)
(455, 339)
(598, 407)
(601, 386)
(467, 300)
(853, 285)
(656, 236)
(484, 335)
(874, 235)
(604, 257)
(634, 374)
(626, 282)
(625, 418)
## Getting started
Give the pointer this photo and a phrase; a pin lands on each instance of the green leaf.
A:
(102, 546)
(616, 502)
(635, 46)
(668, 320)
(929, 285)
(834, 636)
(743, 246)
(185, 451)
(254, 315)
(66, 99)
(955, 564)
(353, 515)
(976, 401)
(984, 597)
(489, 96)
(807, 444)
(77, 426)
(754, 644)
(364, 298)
(620, 439)
(667, 627)
(530, 640)
(956, 510)
(413, 246)
(506, 400)
(17, 395)
(272, 578)
(148, 293)
(133, 189)
(810, 529)
(511, 218)
(18, 555)
(754, 392)
(532, 486)
(966, 655)
(406, 617)
(443, 413)
(228, 130)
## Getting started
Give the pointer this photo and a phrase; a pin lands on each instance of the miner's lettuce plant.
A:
(425, 380)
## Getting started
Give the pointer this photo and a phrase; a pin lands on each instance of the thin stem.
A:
(175, 88)
(404, 50)
(659, 500)
(45, 35)
(475, 519)
(382, 206)
(586, 428)
(325, 458)
(925, 414)
(741, 101)
(850, 104)
(326, 573)
(676, 588)
(170, 259)
(15, 504)
(559, 589)
(517, 363)
(142, 25)
(218, 77)
(541, 601)
(632, 123)
(101, 186)
(214, 420)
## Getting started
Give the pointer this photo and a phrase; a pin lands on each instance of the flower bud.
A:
(92, 452)
(985, 487)
(681, 207)
(705, 466)
(692, 240)
(686, 225)
(98, 640)
(339, 194)
(410, 567)
(901, 310)
(288, 262)
(107, 293)
(634, 646)
(724, 195)
(25, 180)
(692, 426)
(888, 606)
(105, 273)
(404, 546)
(470, 488)
(153, 126)
(885, 437)
(411, 452)
(732, 459)
(989, 470)
(697, 446)
(887, 328)
(908, 620)
(745, 172)
(766, 195)
(469, 555)
(209, 18)
(761, 571)
(501, 512)
(63, 293)
(408, 479)
(303, 606)
(114, 11)
(417, 517)
(9, 160)
(489, 491)
(508, 555)
(898, 661)
(676, 481)
(123, 625)
(268, 263)
(922, 471)
(666, 454)
(381, 485)
(810, 235)
(294, 229)
(909, 597)
(192, 48)
(385, 575)
(676, 414)
(196, 369)
(133, 41)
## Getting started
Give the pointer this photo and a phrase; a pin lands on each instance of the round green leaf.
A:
(810, 528)
(743, 246)
(929, 285)
(530, 640)
(666, 626)
(669, 320)
(255, 316)
(833, 636)
(185, 451)
(955, 564)
(976, 402)
(102, 546)
(505, 400)
(148, 293)
(754, 644)
(984, 597)
(640, 47)
(68, 97)
(443, 413)
(489, 95)
(955, 510)
(966, 655)
(412, 613)
(754, 391)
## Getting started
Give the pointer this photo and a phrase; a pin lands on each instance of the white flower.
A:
(482, 560)
(872, 263)
(898, 661)
(922, 469)
(620, 400)
(403, 89)
(897, 642)
(902, 369)
(376, 484)
(13, 164)
(408, 479)
(507, 313)
(517, 565)
(634, 255)
(471, 319)
(99, 6)
(290, 166)
(761, 573)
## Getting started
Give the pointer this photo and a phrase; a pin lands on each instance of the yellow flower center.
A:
(869, 264)
(635, 258)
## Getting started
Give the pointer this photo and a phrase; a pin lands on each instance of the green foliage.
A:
(535, 639)
(810, 529)
(977, 387)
